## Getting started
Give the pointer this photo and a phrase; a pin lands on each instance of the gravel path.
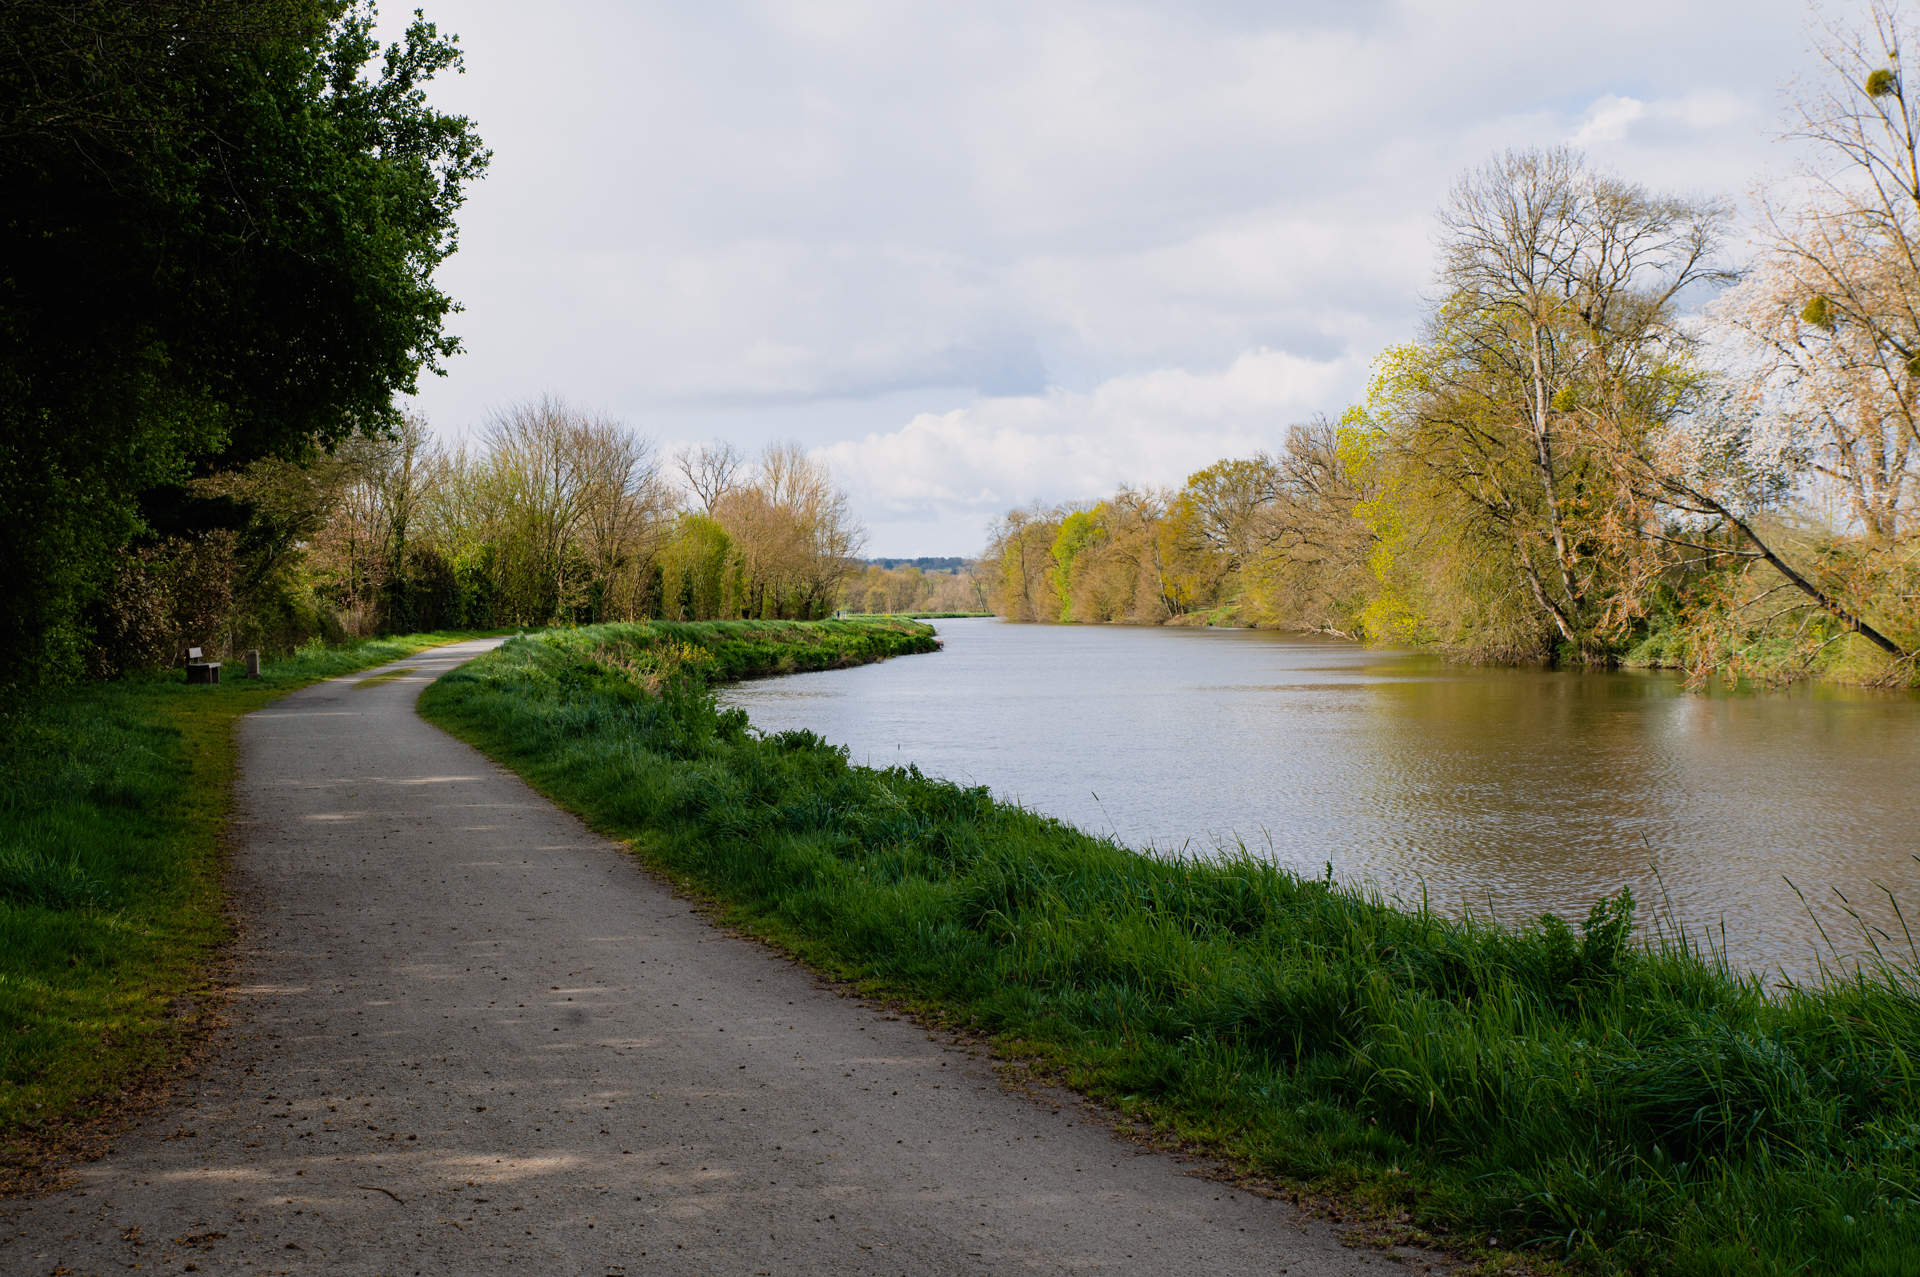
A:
(471, 1036)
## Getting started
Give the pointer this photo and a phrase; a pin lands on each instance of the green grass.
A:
(113, 801)
(1623, 1108)
(729, 650)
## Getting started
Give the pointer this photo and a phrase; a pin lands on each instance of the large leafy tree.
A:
(1558, 335)
(217, 243)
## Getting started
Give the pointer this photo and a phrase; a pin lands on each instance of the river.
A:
(1516, 791)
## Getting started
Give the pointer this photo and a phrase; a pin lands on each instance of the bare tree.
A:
(539, 500)
(374, 487)
(624, 511)
(1018, 564)
(1820, 394)
(795, 533)
(1711, 466)
(710, 472)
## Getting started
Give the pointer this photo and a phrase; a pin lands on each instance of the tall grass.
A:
(113, 798)
(1629, 1108)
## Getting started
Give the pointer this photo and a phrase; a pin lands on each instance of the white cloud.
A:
(1608, 119)
(960, 468)
(1687, 120)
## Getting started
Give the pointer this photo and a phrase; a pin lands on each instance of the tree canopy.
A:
(218, 244)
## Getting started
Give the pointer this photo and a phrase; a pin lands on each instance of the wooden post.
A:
(253, 662)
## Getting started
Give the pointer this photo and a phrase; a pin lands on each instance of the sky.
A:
(980, 255)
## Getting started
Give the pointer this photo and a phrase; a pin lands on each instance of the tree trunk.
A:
(1826, 602)
(1543, 463)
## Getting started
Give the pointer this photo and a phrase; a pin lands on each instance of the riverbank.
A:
(1549, 1086)
(726, 651)
(113, 805)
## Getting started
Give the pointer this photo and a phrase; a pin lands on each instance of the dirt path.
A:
(471, 1036)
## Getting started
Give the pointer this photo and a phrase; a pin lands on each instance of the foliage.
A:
(1556, 348)
(559, 515)
(1019, 566)
(794, 537)
(221, 227)
(959, 591)
(1639, 1109)
(696, 568)
(1272, 540)
(1797, 482)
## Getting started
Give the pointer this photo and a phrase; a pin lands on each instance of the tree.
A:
(572, 507)
(1820, 381)
(1219, 506)
(794, 532)
(1080, 531)
(362, 547)
(696, 564)
(1309, 569)
(627, 509)
(1019, 564)
(219, 239)
(710, 472)
(1558, 333)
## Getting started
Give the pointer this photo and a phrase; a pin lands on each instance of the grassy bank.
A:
(1553, 1086)
(724, 651)
(113, 798)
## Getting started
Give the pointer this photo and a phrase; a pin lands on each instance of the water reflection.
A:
(1515, 790)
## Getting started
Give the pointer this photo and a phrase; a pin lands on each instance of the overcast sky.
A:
(982, 254)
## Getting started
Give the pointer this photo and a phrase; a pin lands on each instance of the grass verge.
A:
(1553, 1088)
(723, 651)
(113, 800)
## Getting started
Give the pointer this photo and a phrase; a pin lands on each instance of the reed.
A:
(1625, 1105)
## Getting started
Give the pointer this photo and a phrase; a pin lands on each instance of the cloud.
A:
(1612, 119)
(1608, 120)
(1149, 428)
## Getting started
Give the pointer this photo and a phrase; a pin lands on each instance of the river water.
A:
(1512, 790)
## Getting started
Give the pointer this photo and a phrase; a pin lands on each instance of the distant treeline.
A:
(1271, 540)
(910, 589)
(924, 564)
(554, 517)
